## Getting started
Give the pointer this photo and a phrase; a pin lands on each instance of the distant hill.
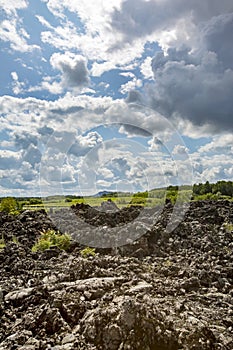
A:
(104, 194)
(112, 194)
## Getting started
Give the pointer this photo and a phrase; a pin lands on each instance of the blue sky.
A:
(114, 94)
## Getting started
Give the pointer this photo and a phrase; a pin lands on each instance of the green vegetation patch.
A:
(52, 238)
(86, 252)
(9, 205)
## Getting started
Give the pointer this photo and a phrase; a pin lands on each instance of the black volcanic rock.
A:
(166, 290)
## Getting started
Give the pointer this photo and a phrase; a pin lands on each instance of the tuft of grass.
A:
(86, 252)
(52, 238)
(228, 227)
(15, 240)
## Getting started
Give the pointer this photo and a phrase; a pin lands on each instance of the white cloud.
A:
(219, 144)
(11, 7)
(146, 69)
(94, 38)
(128, 74)
(18, 87)
(16, 36)
(60, 120)
(53, 87)
(105, 172)
(73, 68)
(180, 150)
(11, 28)
(43, 21)
(99, 68)
(131, 85)
(74, 75)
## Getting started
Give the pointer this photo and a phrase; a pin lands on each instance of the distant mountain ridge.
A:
(111, 194)
(104, 193)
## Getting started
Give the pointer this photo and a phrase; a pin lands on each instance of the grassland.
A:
(150, 199)
(185, 193)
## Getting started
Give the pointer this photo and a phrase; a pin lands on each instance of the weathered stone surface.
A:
(162, 291)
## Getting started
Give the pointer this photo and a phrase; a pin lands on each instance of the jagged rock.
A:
(161, 290)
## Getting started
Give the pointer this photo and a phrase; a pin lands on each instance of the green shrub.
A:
(68, 200)
(63, 241)
(34, 201)
(138, 201)
(41, 245)
(9, 205)
(52, 238)
(87, 252)
(228, 227)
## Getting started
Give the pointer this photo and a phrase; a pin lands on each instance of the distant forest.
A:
(224, 188)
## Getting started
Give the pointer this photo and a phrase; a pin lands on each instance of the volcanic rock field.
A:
(146, 288)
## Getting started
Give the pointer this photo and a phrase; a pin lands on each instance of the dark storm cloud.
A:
(198, 85)
(194, 79)
(138, 18)
(217, 36)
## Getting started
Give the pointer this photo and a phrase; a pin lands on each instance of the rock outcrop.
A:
(164, 291)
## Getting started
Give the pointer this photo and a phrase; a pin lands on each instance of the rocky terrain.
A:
(163, 291)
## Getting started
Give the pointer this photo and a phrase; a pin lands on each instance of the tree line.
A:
(224, 188)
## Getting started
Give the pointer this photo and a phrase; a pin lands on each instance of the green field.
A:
(150, 199)
(184, 193)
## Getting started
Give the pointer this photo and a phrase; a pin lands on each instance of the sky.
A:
(118, 95)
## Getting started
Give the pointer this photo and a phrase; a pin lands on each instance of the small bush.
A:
(68, 200)
(41, 245)
(228, 227)
(87, 252)
(9, 205)
(138, 201)
(63, 241)
(52, 238)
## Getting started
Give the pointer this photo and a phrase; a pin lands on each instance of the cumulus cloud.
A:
(194, 71)
(73, 67)
(32, 155)
(11, 28)
(99, 68)
(17, 85)
(16, 36)
(146, 69)
(11, 7)
(180, 150)
(94, 37)
(219, 144)
(9, 159)
(59, 121)
(83, 144)
(74, 74)
(131, 85)
(199, 91)
(24, 140)
(138, 18)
